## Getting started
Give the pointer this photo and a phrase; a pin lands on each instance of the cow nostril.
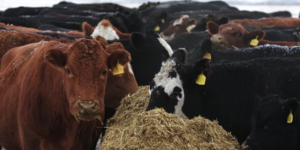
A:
(220, 38)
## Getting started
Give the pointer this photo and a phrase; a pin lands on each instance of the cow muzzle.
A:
(218, 41)
(87, 110)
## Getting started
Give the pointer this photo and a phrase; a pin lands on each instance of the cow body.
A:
(47, 113)
(228, 94)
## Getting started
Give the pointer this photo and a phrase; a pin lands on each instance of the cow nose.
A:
(87, 107)
(216, 39)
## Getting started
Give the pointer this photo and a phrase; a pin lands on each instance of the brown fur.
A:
(38, 95)
(32, 30)
(235, 35)
(268, 22)
(119, 86)
(178, 29)
(87, 29)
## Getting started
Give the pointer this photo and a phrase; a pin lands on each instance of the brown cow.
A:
(33, 30)
(268, 22)
(234, 35)
(104, 29)
(181, 25)
(52, 95)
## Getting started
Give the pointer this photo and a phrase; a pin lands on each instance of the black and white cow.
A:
(242, 54)
(148, 51)
(275, 124)
(228, 94)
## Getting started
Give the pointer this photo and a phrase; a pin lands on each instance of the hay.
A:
(133, 128)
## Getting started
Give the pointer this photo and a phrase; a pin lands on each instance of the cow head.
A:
(108, 31)
(181, 25)
(271, 128)
(168, 86)
(149, 51)
(121, 85)
(232, 35)
(156, 20)
(84, 67)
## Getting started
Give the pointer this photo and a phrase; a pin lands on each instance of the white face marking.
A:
(162, 79)
(165, 45)
(130, 69)
(167, 38)
(107, 32)
(179, 21)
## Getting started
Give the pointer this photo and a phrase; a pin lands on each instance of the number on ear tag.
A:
(254, 42)
(290, 117)
(207, 56)
(201, 79)
(118, 69)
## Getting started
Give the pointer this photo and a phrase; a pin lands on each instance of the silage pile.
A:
(133, 128)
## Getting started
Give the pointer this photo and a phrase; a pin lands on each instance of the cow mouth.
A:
(221, 46)
(86, 118)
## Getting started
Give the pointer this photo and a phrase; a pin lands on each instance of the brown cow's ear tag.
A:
(162, 21)
(290, 117)
(201, 79)
(157, 28)
(118, 69)
(254, 42)
(207, 56)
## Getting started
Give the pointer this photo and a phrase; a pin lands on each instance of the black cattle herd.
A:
(252, 92)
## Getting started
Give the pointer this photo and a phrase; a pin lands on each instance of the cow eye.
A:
(104, 73)
(239, 34)
(68, 71)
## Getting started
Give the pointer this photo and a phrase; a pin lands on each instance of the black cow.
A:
(242, 54)
(22, 11)
(59, 36)
(148, 51)
(53, 28)
(188, 40)
(133, 22)
(229, 90)
(282, 14)
(272, 127)
(157, 18)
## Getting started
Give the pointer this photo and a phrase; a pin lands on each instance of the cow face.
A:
(156, 20)
(270, 126)
(166, 89)
(181, 25)
(84, 67)
(106, 30)
(232, 35)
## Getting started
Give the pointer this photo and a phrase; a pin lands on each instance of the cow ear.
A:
(202, 66)
(180, 55)
(87, 28)
(56, 58)
(212, 27)
(256, 33)
(119, 56)
(163, 15)
(192, 22)
(223, 20)
(101, 40)
(137, 40)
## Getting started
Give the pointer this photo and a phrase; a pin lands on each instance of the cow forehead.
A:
(180, 20)
(232, 27)
(105, 29)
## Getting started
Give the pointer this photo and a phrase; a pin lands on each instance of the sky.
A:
(259, 5)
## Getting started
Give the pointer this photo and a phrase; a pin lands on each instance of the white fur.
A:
(162, 79)
(165, 45)
(191, 27)
(130, 69)
(167, 38)
(179, 21)
(107, 32)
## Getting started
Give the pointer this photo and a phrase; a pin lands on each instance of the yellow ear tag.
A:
(207, 56)
(201, 79)
(254, 42)
(118, 69)
(290, 117)
(157, 28)
(162, 21)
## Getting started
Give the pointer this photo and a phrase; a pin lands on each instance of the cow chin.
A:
(220, 46)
